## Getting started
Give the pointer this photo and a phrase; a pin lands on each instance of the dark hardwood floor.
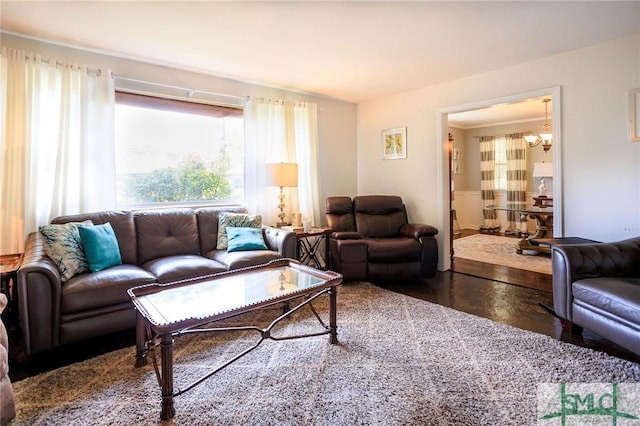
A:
(503, 274)
(464, 288)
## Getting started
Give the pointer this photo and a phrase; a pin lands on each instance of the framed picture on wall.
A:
(394, 143)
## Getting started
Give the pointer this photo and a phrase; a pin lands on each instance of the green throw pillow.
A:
(63, 245)
(100, 246)
(238, 220)
(243, 239)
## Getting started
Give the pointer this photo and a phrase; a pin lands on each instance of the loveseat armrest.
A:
(349, 257)
(417, 230)
(346, 235)
(39, 296)
(573, 262)
(281, 240)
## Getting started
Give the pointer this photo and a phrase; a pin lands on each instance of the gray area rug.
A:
(400, 361)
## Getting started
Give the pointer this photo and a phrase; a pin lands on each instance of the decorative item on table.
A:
(282, 175)
(306, 224)
(543, 170)
(296, 223)
(546, 137)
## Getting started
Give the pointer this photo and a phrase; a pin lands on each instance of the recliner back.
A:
(339, 214)
(379, 216)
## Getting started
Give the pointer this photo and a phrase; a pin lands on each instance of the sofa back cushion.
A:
(208, 225)
(339, 214)
(164, 233)
(123, 226)
(379, 216)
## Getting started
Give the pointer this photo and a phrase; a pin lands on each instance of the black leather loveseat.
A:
(373, 240)
(160, 245)
(597, 287)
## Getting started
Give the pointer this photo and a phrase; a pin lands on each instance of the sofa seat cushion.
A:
(103, 288)
(397, 249)
(180, 267)
(618, 296)
(242, 259)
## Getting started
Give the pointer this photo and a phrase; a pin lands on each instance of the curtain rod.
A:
(29, 56)
(190, 92)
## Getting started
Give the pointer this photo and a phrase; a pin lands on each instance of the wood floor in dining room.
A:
(465, 288)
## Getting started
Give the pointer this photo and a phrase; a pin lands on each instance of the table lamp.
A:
(542, 170)
(282, 174)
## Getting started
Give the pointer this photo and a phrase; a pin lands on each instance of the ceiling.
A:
(517, 112)
(354, 51)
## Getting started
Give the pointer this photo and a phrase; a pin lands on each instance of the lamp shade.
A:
(543, 169)
(282, 174)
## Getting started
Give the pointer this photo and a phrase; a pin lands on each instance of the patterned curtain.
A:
(516, 180)
(487, 184)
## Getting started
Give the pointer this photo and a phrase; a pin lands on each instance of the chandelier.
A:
(545, 137)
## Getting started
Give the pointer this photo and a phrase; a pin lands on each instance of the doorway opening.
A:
(445, 161)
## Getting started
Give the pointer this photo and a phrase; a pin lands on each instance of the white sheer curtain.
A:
(281, 131)
(57, 143)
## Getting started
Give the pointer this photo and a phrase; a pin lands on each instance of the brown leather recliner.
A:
(373, 241)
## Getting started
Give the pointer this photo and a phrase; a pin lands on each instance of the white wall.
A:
(600, 167)
(336, 119)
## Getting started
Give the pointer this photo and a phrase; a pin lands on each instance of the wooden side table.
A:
(9, 265)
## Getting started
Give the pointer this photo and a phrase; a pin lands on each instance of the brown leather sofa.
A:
(597, 287)
(160, 245)
(7, 400)
(373, 241)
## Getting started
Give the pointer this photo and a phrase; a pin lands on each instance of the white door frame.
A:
(444, 194)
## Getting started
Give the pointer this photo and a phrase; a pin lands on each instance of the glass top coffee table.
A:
(167, 310)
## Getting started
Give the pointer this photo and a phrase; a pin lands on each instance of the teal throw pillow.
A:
(100, 246)
(240, 220)
(63, 245)
(242, 239)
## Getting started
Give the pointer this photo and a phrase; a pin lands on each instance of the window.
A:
(500, 176)
(177, 152)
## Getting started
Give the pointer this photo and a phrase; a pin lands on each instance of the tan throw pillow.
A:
(238, 220)
(63, 245)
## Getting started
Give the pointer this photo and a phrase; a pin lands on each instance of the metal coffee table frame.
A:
(150, 334)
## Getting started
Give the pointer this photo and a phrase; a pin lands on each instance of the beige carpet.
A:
(399, 361)
(500, 251)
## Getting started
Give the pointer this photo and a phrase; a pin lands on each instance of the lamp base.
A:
(281, 224)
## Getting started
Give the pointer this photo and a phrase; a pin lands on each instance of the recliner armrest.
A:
(344, 235)
(417, 230)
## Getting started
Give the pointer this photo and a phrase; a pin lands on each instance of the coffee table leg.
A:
(166, 353)
(333, 308)
(141, 341)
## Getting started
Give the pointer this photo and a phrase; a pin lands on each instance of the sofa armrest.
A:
(344, 235)
(281, 240)
(573, 262)
(39, 297)
(417, 230)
